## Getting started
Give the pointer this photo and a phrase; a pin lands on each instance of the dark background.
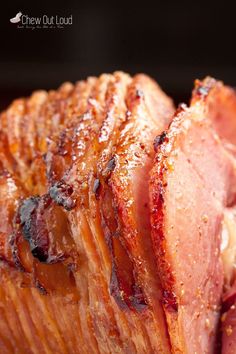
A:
(175, 42)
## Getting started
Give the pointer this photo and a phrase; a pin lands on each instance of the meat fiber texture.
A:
(113, 210)
(192, 185)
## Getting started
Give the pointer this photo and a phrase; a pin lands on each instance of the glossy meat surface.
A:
(221, 104)
(117, 230)
(192, 183)
(78, 274)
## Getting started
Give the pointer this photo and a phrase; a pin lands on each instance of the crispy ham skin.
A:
(78, 272)
(191, 185)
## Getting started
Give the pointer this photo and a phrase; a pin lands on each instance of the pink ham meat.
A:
(229, 322)
(221, 104)
(191, 184)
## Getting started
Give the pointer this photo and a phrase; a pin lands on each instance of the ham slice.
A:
(192, 182)
(78, 271)
(221, 103)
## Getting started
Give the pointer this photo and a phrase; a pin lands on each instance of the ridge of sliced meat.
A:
(221, 103)
(92, 243)
(26, 309)
(58, 314)
(125, 191)
(72, 253)
(188, 198)
(98, 163)
(87, 132)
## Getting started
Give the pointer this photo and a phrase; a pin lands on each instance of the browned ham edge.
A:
(75, 245)
(188, 206)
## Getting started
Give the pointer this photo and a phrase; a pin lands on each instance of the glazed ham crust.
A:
(77, 269)
(117, 219)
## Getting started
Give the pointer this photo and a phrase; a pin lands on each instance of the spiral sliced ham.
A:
(118, 218)
(78, 273)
